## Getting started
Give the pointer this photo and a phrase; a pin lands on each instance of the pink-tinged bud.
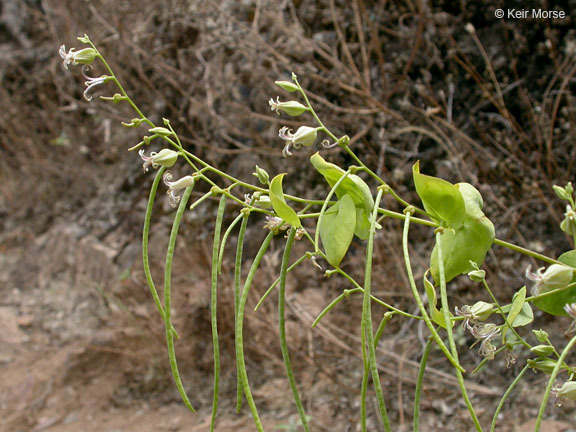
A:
(556, 276)
(292, 108)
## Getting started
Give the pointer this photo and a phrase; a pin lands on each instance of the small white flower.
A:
(554, 277)
(304, 136)
(275, 224)
(84, 56)
(165, 158)
(174, 187)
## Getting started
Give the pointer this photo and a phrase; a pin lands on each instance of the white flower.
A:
(165, 158)
(292, 108)
(84, 56)
(304, 136)
(554, 277)
(174, 187)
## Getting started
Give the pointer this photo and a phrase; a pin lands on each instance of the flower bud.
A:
(542, 350)
(481, 310)
(292, 108)
(477, 275)
(84, 56)
(165, 158)
(287, 85)
(561, 192)
(568, 225)
(541, 335)
(545, 365)
(263, 202)
(161, 131)
(261, 175)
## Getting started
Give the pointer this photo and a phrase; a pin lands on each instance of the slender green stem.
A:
(282, 328)
(239, 338)
(214, 308)
(347, 293)
(525, 251)
(504, 317)
(505, 396)
(237, 280)
(418, 299)
(225, 240)
(367, 317)
(277, 281)
(420, 384)
(168, 298)
(551, 380)
(401, 216)
(449, 325)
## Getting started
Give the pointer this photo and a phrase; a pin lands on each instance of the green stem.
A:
(449, 325)
(367, 329)
(418, 299)
(237, 280)
(168, 299)
(505, 396)
(282, 328)
(277, 281)
(214, 308)
(525, 251)
(239, 338)
(551, 380)
(347, 293)
(420, 384)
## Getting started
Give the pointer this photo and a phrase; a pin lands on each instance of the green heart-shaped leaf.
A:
(442, 200)
(337, 229)
(351, 185)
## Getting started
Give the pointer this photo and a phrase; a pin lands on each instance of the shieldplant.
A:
(351, 207)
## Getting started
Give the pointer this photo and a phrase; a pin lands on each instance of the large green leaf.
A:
(470, 242)
(442, 200)
(554, 304)
(337, 229)
(282, 209)
(352, 185)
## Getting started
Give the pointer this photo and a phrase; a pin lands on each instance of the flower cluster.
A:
(473, 320)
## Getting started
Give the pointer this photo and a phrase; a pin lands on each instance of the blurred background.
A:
(475, 98)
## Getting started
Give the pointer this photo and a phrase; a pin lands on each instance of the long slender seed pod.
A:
(168, 298)
(214, 308)
(237, 281)
(282, 328)
(145, 239)
(419, 384)
(239, 338)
